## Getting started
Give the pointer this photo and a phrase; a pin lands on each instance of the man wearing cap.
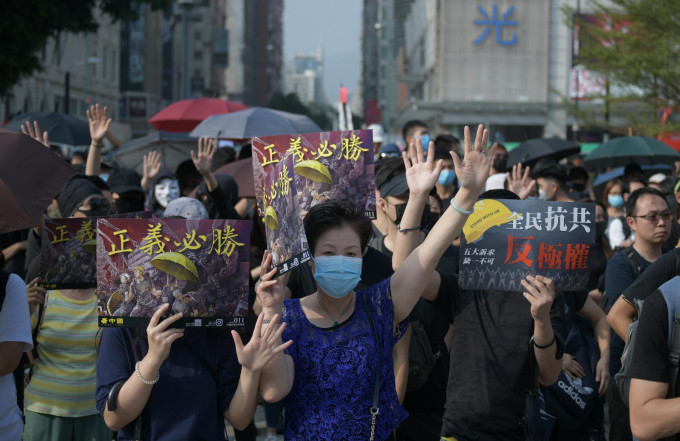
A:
(126, 191)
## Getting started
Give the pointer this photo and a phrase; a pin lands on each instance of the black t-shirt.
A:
(597, 263)
(436, 322)
(490, 370)
(650, 361)
(658, 273)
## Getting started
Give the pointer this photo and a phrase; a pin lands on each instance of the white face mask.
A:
(541, 195)
(165, 191)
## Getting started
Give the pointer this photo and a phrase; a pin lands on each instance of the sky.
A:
(336, 26)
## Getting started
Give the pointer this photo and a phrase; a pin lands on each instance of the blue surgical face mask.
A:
(337, 276)
(446, 177)
(425, 139)
(615, 200)
(104, 176)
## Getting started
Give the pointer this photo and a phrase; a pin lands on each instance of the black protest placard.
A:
(503, 241)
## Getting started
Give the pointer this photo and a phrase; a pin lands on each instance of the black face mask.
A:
(430, 218)
(600, 227)
(128, 203)
(98, 207)
(499, 164)
(424, 220)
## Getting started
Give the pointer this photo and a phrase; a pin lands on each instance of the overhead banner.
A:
(503, 241)
(199, 267)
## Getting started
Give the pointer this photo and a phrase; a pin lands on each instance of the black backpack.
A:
(421, 358)
(632, 257)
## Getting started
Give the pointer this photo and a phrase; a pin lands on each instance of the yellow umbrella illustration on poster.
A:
(487, 213)
(313, 170)
(271, 220)
(177, 265)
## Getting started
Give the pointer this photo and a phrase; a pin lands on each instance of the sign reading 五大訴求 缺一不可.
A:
(503, 241)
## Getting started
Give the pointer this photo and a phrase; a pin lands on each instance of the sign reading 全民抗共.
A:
(503, 241)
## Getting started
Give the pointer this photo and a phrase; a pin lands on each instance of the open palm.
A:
(421, 173)
(473, 171)
(262, 347)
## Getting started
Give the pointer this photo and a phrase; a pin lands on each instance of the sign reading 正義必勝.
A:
(503, 241)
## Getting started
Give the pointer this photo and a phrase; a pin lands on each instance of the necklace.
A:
(335, 321)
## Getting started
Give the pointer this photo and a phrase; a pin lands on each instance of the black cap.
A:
(395, 186)
(124, 180)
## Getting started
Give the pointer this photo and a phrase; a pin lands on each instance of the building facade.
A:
(78, 70)
(305, 77)
(504, 63)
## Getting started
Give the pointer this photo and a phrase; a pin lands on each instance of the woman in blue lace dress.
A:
(342, 338)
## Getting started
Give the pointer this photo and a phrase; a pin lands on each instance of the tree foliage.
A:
(318, 113)
(25, 28)
(635, 45)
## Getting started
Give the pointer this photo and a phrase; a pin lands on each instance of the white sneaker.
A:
(272, 437)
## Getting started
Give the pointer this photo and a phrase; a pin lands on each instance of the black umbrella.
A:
(529, 152)
(30, 177)
(174, 148)
(252, 122)
(626, 149)
(61, 128)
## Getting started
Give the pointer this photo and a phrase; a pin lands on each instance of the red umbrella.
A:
(30, 177)
(184, 115)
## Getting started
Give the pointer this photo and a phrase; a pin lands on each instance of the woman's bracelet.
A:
(543, 346)
(406, 230)
(144, 380)
(460, 210)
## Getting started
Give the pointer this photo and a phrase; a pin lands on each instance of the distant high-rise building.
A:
(262, 51)
(305, 77)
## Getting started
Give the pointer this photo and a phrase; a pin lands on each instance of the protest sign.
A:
(327, 165)
(67, 251)
(503, 241)
(199, 267)
(286, 239)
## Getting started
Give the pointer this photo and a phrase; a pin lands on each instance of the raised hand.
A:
(34, 132)
(206, 151)
(473, 171)
(160, 337)
(99, 123)
(151, 167)
(262, 347)
(35, 294)
(540, 292)
(421, 173)
(520, 183)
(269, 288)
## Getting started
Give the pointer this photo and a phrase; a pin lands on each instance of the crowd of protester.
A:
(332, 353)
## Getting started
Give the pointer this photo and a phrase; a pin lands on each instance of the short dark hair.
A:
(386, 169)
(446, 141)
(578, 173)
(634, 196)
(499, 193)
(632, 168)
(408, 128)
(79, 154)
(550, 169)
(336, 213)
(626, 184)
